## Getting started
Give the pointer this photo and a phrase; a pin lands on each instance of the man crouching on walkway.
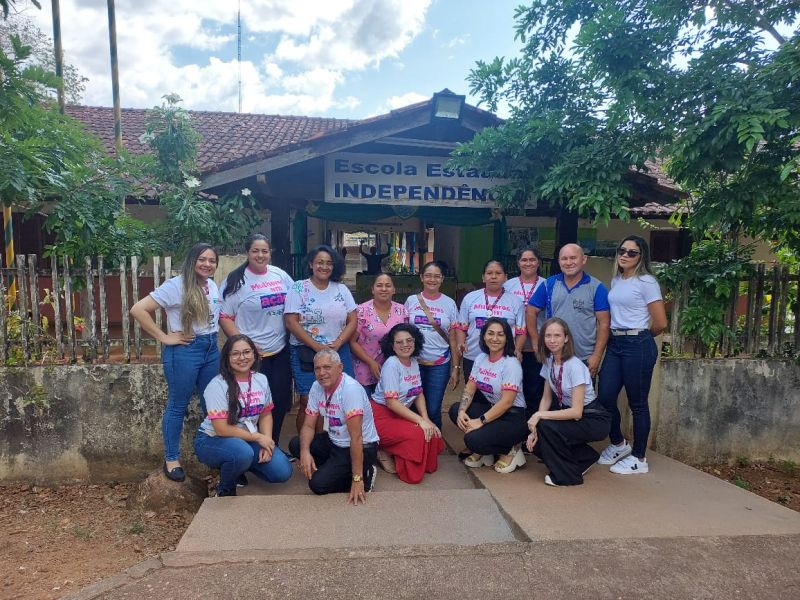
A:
(343, 458)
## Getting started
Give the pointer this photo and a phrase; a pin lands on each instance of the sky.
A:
(335, 58)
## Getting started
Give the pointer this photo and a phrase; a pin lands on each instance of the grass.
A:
(83, 533)
(742, 461)
(135, 528)
(738, 481)
(789, 466)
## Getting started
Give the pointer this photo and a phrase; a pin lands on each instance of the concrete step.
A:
(451, 475)
(280, 522)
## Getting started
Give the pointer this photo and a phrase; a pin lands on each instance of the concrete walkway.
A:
(673, 533)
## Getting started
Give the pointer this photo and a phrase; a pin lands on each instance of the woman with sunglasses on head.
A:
(436, 316)
(494, 423)
(190, 356)
(493, 300)
(637, 315)
(528, 260)
(236, 435)
(320, 312)
(409, 437)
(568, 416)
(253, 298)
(374, 320)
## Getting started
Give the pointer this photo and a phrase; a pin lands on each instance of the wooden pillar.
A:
(281, 240)
(566, 233)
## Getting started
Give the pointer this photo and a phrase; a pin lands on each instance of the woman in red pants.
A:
(406, 432)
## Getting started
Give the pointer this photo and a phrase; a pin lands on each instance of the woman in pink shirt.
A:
(374, 320)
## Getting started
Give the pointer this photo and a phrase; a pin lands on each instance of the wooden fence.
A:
(49, 322)
(763, 317)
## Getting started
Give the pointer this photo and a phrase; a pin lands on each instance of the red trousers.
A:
(413, 456)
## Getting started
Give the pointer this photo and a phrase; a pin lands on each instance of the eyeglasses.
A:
(241, 354)
(627, 252)
(404, 342)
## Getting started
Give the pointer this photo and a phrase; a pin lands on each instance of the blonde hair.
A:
(194, 304)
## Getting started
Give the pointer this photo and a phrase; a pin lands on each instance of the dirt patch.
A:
(775, 480)
(57, 540)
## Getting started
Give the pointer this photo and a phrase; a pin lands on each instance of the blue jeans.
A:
(303, 380)
(234, 456)
(187, 368)
(629, 362)
(434, 384)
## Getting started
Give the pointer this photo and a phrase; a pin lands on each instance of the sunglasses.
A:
(628, 253)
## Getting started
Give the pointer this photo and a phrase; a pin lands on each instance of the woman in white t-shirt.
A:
(320, 312)
(568, 416)
(493, 300)
(253, 298)
(406, 432)
(494, 424)
(439, 361)
(528, 260)
(236, 435)
(637, 315)
(190, 355)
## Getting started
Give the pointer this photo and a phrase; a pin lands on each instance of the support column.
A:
(566, 233)
(281, 241)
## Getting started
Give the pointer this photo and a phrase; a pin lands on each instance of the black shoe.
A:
(176, 474)
(242, 480)
(221, 493)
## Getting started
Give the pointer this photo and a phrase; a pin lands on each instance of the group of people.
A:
(371, 378)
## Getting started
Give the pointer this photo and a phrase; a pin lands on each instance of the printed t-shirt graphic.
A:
(475, 310)
(323, 313)
(347, 401)
(254, 398)
(493, 378)
(398, 382)
(435, 351)
(169, 296)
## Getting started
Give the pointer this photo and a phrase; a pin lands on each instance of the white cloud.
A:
(459, 40)
(406, 99)
(317, 43)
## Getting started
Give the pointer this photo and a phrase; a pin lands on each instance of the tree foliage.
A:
(602, 86)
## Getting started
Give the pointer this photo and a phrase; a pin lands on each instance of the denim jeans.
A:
(234, 456)
(434, 384)
(629, 362)
(187, 368)
(303, 380)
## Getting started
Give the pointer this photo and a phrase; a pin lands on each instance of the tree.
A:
(41, 54)
(602, 86)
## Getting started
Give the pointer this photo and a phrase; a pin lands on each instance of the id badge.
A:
(250, 426)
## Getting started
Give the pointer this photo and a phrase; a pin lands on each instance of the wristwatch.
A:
(357, 477)
(483, 419)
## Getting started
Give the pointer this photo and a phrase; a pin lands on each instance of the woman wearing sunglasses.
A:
(637, 315)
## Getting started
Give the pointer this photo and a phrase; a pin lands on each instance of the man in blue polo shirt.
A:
(580, 300)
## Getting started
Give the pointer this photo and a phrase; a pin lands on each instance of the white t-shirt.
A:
(524, 291)
(435, 351)
(255, 398)
(257, 307)
(572, 372)
(347, 401)
(474, 312)
(169, 296)
(494, 378)
(628, 300)
(398, 382)
(323, 313)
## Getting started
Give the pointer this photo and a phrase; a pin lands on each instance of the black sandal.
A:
(176, 474)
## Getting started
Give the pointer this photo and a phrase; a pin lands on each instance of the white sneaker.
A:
(614, 453)
(476, 460)
(630, 465)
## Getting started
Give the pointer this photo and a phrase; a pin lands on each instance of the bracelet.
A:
(457, 367)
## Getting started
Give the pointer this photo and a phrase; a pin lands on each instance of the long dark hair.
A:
(338, 263)
(387, 341)
(510, 349)
(235, 279)
(230, 377)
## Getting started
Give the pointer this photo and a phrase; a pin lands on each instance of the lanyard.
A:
(490, 309)
(333, 391)
(247, 396)
(557, 383)
(527, 295)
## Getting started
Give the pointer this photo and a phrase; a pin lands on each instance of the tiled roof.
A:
(227, 137)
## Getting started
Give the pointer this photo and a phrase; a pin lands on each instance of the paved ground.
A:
(673, 533)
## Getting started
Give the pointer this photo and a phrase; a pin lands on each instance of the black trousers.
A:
(532, 382)
(495, 437)
(563, 447)
(278, 371)
(334, 472)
